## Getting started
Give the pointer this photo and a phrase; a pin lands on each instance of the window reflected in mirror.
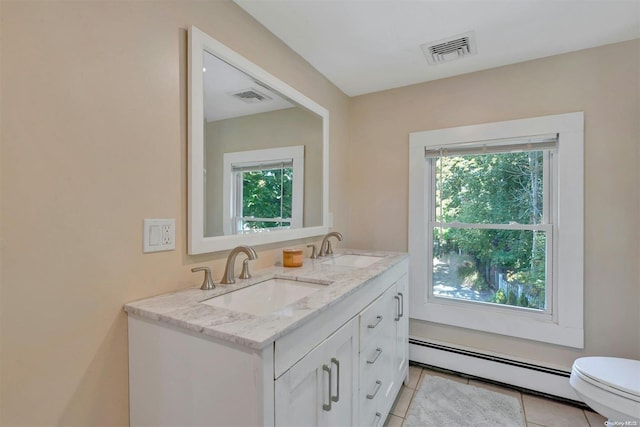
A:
(263, 198)
(266, 190)
(252, 138)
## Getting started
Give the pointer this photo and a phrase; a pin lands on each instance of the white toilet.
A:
(610, 386)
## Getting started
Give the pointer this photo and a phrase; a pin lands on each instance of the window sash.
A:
(507, 145)
(257, 219)
(262, 166)
(261, 230)
(511, 226)
(547, 313)
(546, 225)
(547, 174)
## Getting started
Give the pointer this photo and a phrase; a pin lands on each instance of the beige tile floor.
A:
(538, 411)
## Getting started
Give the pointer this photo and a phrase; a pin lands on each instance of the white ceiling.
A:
(221, 80)
(365, 46)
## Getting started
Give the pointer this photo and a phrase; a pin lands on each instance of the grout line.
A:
(524, 411)
(410, 401)
(588, 422)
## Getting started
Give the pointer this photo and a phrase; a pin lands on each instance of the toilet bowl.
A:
(610, 386)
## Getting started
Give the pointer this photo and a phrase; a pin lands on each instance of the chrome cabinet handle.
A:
(379, 418)
(337, 396)
(375, 357)
(378, 320)
(375, 391)
(397, 298)
(325, 406)
(401, 304)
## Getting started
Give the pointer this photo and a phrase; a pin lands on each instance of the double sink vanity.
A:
(323, 344)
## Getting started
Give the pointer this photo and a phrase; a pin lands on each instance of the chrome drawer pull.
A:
(375, 357)
(401, 304)
(337, 396)
(378, 320)
(397, 298)
(327, 407)
(379, 418)
(372, 395)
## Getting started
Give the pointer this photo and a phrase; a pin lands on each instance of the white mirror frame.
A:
(198, 243)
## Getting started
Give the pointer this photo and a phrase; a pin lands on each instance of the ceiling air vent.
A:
(450, 49)
(251, 96)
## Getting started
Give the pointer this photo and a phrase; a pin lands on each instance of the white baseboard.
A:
(540, 379)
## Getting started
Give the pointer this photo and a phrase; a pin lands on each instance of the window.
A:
(264, 189)
(490, 225)
(485, 240)
(263, 196)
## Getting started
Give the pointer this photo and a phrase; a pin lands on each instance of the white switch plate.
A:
(159, 235)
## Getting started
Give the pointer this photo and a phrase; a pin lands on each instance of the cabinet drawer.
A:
(376, 377)
(376, 317)
(376, 360)
(373, 409)
(374, 419)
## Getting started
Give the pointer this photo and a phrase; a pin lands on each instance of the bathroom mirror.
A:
(258, 153)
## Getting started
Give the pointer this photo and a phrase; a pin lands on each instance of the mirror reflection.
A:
(262, 156)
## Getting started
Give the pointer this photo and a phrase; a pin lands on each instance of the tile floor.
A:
(538, 411)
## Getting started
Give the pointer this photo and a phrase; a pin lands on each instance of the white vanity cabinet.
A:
(320, 371)
(319, 390)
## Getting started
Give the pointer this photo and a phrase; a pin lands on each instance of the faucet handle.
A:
(329, 250)
(207, 284)
(245, 274)
(314, 251)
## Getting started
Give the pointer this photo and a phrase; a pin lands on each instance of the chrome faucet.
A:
(325, 247)
(228, 276)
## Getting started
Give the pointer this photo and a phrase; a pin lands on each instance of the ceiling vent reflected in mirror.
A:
(251, 96)
(450, 49)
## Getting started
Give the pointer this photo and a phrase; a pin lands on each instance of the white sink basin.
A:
(358, 261)
(265, 297)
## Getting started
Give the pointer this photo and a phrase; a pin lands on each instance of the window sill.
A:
(533, 326)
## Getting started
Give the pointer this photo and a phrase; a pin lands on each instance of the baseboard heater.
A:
(526, 377)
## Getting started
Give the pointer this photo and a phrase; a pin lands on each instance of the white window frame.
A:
(293, 154)
(562, 322)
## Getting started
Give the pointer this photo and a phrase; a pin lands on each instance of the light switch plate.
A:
(159, 235)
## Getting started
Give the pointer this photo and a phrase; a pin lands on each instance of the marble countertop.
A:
(183, 308)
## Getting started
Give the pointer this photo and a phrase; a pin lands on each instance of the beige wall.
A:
(604, 83)
(94, 131)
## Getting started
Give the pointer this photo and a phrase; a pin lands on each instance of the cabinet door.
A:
(402, 327)
(344, 371)
(318, 390)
